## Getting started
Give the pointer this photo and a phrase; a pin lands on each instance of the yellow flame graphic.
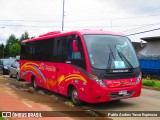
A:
(70, 77)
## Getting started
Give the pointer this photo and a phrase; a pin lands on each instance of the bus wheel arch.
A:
(34, 83)
(73, 93)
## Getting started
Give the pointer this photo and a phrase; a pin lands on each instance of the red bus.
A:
(87, 65)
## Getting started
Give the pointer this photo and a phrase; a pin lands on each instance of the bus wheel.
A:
(34, 84)
(74, 97)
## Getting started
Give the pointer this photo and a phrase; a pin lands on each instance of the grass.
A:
(152, 83)
(1, 118)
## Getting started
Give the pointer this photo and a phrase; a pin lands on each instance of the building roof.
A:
(156, 38)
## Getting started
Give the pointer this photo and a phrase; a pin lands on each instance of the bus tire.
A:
(34, 84)
(74, 97)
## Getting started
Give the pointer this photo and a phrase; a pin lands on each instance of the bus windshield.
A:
(110, 52)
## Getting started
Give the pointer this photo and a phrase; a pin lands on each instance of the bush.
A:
(148, 83)
(157, 85)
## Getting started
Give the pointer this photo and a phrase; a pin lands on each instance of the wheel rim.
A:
(75, 96)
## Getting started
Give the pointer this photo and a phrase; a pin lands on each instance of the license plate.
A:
(123, 92)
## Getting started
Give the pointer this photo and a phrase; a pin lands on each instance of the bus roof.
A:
(82, 32)
(88, 31)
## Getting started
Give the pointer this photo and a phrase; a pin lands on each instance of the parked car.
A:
(5, 64)
(14, 70)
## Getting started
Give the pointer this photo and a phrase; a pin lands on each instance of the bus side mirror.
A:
(74, 46)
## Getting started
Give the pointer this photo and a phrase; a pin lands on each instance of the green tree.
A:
(24, 36)
(10, 41)
(1, 50)
(14, 50)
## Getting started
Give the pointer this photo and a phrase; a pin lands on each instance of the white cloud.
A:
(30, 9)
(138, 6)
(41, 16)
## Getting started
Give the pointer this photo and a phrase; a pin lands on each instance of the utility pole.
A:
(63, 16)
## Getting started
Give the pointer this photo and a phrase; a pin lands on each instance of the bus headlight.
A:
(99, 81)
(138, 79)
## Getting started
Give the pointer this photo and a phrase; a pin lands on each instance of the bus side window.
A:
(70, 50)
(32, 51)
(23, 50)
(59, 54)
(72, 54)
(76, 58)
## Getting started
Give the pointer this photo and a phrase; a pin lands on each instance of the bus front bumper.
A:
(109, 94)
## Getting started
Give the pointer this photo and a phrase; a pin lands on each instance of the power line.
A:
(18, 25)
(91, 19)
(41, 21)
(144, 32)
(27, 26)
(111, 19)
(143, 26)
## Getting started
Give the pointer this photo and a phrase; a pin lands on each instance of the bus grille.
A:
(116, 94)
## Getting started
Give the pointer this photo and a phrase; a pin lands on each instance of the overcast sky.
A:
(42, 16)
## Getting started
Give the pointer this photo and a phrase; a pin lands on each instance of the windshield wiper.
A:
(110, 60)
(123, 57)
(111, 52)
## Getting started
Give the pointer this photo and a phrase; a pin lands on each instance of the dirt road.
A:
(148, 101)
(15, 98)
